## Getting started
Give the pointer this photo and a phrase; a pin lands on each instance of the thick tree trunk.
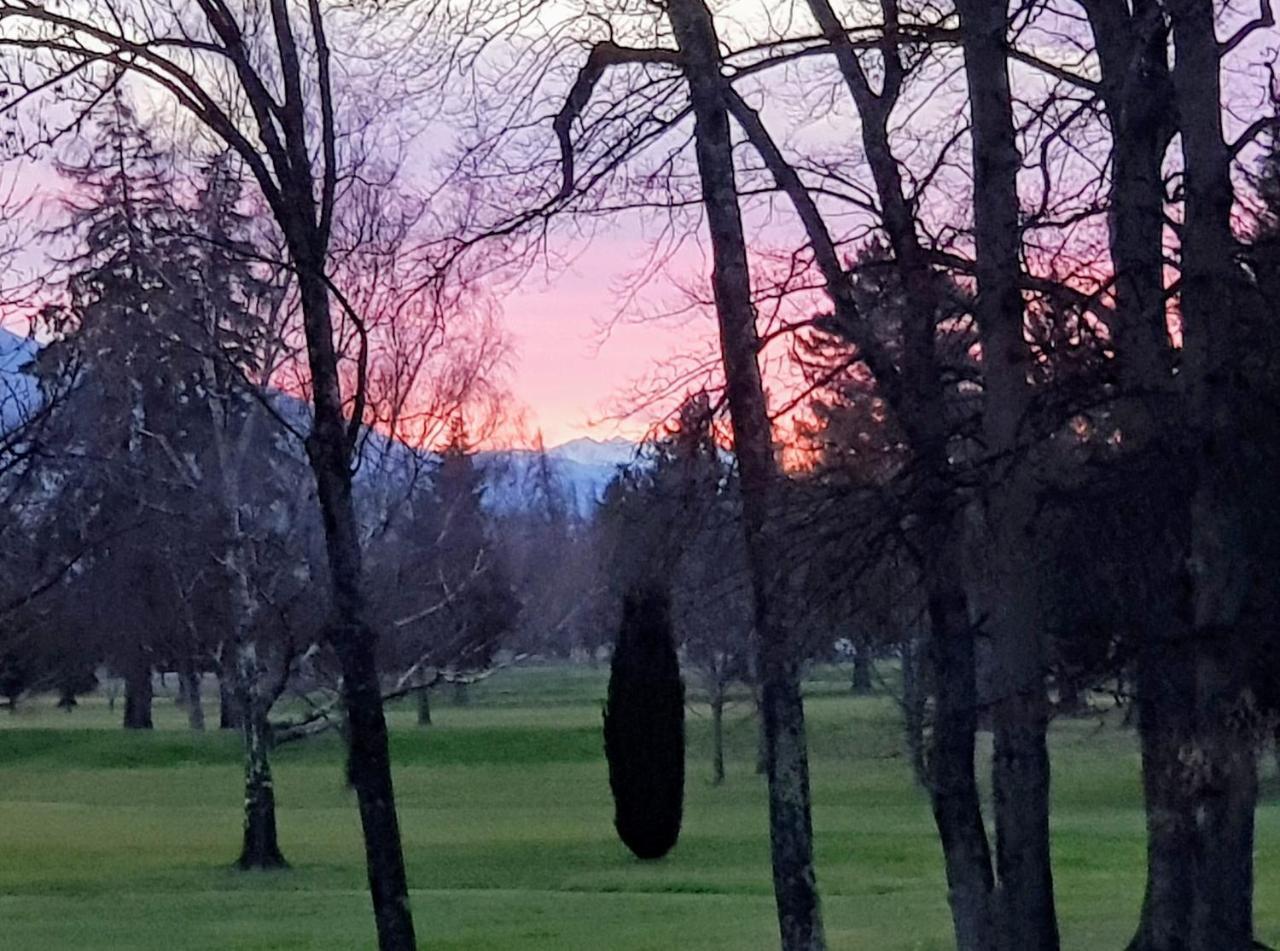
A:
(1225, 797)
(1132, 47)
(461, 694)
(424, 706)
(782, 707)
(353, 640)
(1166, 682)
(1020, 772)
(1027, 919)
(762, 741)
(1220, 573)
(137, 693)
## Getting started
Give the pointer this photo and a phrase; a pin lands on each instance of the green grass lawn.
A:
(111, 840)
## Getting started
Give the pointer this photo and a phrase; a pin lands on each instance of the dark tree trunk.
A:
(1132, 47)
(138, 693)
(1166, 679)
(782, 706)
(863, 669)
(369, 771)
(914, 699)
(717, 732)
(424, 706)
(1224, 787)
(353, 640)
(953, 784)
(189, 691)
(1027, 919)
(917, 396)
(1224, 800)
(461, 695)
(762, 741)
(229, 715)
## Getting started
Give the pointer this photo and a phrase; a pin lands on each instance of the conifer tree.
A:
(644, 726)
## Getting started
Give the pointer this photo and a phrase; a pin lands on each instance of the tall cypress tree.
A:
(644, 726)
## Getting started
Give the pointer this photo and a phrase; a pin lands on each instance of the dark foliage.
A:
(644, 727)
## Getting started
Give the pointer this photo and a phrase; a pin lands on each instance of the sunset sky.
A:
(573, 365)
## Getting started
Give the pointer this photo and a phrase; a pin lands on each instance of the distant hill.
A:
(581, 467)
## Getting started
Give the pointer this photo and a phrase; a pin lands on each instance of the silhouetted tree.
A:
(644, 727)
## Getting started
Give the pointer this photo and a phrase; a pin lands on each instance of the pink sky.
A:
(569, 374)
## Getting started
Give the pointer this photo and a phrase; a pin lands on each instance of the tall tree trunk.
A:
(1020, 769)
(916, 394)
(1132, 47)
(1220, 570)
(354, 641)
(137, 692)
(782, 707)
(762, 741)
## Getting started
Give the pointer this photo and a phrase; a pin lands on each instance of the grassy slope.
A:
(115, 841)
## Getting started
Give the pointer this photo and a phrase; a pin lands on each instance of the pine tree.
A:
(644, 727)
(120, 328)
(475, 584)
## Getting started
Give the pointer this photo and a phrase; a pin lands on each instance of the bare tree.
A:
(260, 78)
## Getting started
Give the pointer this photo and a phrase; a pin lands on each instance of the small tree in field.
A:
(644, 727)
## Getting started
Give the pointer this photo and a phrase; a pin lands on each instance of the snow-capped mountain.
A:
(596, 452)
(580, 469)
(18, 395)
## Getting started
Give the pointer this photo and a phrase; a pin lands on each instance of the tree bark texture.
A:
(782, 708)
(353, 640)
(1220, 571)
(1027, 918)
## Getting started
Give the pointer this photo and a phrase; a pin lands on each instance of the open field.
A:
(117, 841)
